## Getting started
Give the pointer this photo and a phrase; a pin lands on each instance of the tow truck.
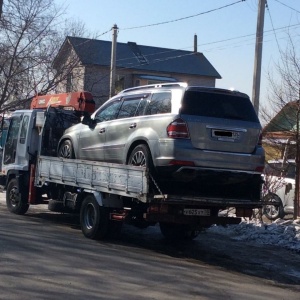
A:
(105, 195)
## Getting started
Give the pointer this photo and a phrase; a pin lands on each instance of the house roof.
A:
(285, 120)
(143, 58)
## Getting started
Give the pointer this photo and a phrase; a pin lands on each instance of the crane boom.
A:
(79, 101)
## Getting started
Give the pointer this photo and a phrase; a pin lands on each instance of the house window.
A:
(69, 83)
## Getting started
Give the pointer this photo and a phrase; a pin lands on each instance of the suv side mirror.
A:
(87, 120)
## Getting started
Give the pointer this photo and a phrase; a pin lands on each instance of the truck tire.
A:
(94, 219)
(273, 209)
(174, 232)
(16, 201)
(66, 150)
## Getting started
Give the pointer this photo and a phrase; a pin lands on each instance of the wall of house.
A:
(72, 82)
(70, 72)
(97, 81)
(78, 79)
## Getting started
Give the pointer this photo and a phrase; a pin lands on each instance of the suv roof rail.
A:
(157, 85)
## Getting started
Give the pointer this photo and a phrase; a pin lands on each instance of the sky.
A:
(225, 31)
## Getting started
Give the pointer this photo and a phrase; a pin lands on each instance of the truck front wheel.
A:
(94, 219)
(16, 201)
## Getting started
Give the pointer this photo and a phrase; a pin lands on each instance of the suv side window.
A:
(160, 103)
(108, 112)
(129, 107)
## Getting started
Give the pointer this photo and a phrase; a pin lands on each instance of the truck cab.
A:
(37, 130)
(21, 141)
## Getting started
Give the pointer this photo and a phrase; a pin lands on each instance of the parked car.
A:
(191, 134)
(279, 188)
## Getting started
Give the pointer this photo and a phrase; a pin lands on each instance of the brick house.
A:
(135, 65)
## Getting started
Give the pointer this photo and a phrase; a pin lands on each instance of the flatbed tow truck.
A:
(104, 194)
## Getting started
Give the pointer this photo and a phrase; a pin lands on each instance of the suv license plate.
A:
(196, 212)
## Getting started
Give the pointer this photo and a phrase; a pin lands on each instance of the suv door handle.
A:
(102, 130)
(133, 125)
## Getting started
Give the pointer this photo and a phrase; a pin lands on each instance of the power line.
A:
(199, 45)
(107, 31)
(244, 36)
(288, 6)
(183, 18)
(212, 10)
(272, 26)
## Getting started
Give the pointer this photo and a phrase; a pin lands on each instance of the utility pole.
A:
(297, 177)
(1, 7)
(113, 61)
(258, 54)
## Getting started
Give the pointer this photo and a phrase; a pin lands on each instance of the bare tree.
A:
(285, 101)
(31, 33)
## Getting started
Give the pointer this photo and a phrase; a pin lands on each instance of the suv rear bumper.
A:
(182, 150)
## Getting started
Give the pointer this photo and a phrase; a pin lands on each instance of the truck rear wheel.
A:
(94, 219)
(174, 232)
(16, 201)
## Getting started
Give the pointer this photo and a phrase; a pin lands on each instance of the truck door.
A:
(18, 141)
(10, 148)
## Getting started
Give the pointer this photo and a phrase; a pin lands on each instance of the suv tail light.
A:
(260, 139)
(178, 130)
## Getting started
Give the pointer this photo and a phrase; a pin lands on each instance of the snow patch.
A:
(284, 233)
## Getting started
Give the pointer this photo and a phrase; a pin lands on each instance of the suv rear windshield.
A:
(218, 105)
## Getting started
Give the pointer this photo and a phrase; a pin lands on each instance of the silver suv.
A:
(200, 136)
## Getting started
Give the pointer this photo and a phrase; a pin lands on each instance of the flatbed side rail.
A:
(123, 180)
